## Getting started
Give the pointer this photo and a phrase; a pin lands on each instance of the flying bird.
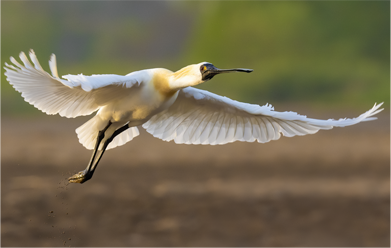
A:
(162, 101)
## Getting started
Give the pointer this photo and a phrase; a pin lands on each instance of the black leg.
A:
(85, 175)
(99, 139)
(108, 141)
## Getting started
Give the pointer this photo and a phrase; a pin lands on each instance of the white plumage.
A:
(76, 96)
(163, 102)
(201, 117)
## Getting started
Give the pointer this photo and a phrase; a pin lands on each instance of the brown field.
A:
(327, 189)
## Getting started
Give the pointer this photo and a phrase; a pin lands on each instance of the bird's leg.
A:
(84, 175)
(107, 142)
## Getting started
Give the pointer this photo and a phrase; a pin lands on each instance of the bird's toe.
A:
(79, 177)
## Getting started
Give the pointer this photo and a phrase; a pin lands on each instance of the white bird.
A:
(160, 100)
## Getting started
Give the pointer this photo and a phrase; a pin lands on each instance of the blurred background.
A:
(319, 58)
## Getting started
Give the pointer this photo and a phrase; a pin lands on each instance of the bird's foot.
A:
(80, 177)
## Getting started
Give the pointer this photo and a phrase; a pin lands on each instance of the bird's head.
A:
(208, 71)
(198, 73)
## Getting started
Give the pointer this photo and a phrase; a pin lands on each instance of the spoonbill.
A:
(162, 101)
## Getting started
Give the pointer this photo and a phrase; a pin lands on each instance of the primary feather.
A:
(201, 117)
(76, 96)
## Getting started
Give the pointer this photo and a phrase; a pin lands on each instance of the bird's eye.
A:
(203, 68)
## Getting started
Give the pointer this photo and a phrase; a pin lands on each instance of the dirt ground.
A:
(327, 189)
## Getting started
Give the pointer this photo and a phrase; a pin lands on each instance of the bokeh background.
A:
(324, 59)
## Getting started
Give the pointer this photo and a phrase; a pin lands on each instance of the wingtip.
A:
(15, 62)
(22, 54)
(368, 116)
(376, 107)
(53, 65)
(369, 119)
(8, 67)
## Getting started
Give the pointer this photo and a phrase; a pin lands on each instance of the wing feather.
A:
(207, 128)
(255, 128)
(216, 128)
(266, 130)
(78, 95)
(202, 127)
(239, 128)
(248, 130)
(200, 124)
(222, 133)
(180, 124)
(193, 125)
(232, 130)
(204, 137)
(201, 117)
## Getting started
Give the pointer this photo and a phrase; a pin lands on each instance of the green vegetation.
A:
(328, 53)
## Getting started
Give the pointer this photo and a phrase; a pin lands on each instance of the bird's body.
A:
(160, 100)
(138, 105)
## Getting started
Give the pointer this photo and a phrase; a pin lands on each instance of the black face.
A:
(208, 71)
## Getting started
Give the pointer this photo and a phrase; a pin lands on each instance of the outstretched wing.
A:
(78, 95)
(201, 117)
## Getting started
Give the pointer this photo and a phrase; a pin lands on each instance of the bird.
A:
(163, 102)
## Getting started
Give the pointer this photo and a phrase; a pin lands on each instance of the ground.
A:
(327, 189)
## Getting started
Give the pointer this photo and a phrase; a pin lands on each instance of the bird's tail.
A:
(88, 133)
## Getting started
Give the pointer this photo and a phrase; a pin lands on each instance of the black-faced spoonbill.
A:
(160, 100)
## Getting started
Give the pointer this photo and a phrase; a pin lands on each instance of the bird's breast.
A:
(161, 83)
(139, 107)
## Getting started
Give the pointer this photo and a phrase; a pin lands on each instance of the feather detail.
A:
(78, 95)
(201, 117)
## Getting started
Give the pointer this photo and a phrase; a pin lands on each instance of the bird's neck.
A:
(183, 78)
